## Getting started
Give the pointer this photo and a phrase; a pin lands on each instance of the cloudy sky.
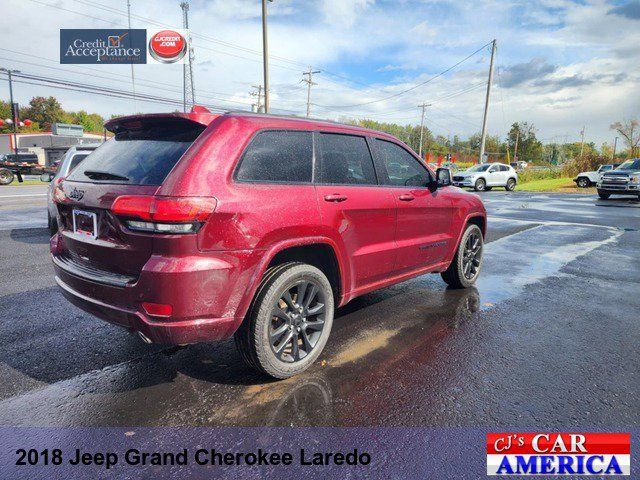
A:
(560, 64)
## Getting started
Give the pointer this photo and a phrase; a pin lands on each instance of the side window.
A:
(278, 156)
(345, 160)
(403, 169)
(75, 161)
(503, 168)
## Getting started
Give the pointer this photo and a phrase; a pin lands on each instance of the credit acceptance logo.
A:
(118, 46)
(103, 46)
(607, 454)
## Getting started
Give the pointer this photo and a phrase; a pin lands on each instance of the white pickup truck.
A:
(587, 179)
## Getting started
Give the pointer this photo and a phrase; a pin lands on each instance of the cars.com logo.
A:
(607, 454)
(167, 46)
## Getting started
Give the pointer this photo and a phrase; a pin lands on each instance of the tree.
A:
(529, 147)
(45, 111)
(629, 130)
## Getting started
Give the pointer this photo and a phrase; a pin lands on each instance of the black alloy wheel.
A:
(472, 255)
(297, 321)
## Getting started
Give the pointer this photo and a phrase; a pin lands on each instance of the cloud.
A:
(630, 10)
(344, 12)
(520, 73)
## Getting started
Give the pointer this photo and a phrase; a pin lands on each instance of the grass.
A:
(15, 183)
(563, 184)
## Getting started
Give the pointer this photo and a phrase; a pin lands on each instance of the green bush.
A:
(586, 163)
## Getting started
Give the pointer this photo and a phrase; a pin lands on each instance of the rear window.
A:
(76, 160)
(278, 156)
(141, 156)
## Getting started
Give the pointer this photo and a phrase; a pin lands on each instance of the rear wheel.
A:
(603, 195)
(583, 182)
(289, 321)
(511, 185)
(466, 265)
(480, 185)
(6, 176)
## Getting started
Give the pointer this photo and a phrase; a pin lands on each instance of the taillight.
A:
(163, 214)
(58, 194)
(157, 309)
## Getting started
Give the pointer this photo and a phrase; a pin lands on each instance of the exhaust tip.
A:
(144, 338)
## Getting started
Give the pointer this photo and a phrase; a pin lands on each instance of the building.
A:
(49, 146)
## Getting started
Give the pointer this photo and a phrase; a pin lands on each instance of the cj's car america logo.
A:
(605, 454)
(106, 46)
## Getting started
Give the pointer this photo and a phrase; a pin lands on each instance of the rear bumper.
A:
(163, 332)
(205, 291)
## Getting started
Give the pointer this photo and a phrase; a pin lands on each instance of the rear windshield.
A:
(143, 156)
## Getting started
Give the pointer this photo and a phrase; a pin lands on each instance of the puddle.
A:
(511, 263)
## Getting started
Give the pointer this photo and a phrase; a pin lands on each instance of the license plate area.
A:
(85, 223)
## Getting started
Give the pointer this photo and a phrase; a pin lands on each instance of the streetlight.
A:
(14, 112)
(265, 55)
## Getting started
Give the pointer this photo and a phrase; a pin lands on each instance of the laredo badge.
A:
(606, 454)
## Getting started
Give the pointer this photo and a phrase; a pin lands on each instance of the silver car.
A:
(485, 176)
(71, 160)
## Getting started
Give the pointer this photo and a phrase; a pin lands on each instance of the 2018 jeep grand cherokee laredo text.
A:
(195, 227)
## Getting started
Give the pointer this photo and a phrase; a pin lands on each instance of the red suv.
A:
(192, 227)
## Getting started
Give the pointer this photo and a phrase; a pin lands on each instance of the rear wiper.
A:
(99, 175)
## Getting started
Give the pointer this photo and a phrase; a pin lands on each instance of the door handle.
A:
(336, 197)
(406, 198)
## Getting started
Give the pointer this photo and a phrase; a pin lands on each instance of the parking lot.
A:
(548, 339)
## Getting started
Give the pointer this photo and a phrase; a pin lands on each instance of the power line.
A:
(415, 86)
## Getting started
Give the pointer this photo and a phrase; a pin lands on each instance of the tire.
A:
(287, 353)
(603, 195)
(6, 176)
(511, 185)
(480, 185)
(583, 182)
(455, 275)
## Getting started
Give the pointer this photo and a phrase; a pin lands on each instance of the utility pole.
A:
(615, 145)
(259, 95)
(486, 103)
(309, 81)
(188, 90)
(515, 150)
(265, 56)
(581, 141)
(424, 105)
(14, 112)
(133, 77)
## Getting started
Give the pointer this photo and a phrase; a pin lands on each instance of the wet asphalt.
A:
(548, 339)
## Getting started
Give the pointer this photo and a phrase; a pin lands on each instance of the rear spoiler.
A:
(198, 115)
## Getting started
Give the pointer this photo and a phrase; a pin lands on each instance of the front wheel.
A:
(480, 185)
(289, 321)
(583, 182)
(466, 264)
(603, 195)
(511, 185)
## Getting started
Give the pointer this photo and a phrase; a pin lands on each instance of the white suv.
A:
(485, 176)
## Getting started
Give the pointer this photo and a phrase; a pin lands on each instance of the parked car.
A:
(485, 176)
(587, 179)
(193, 227)
(71, 160)
(624, 180)
(519, 166)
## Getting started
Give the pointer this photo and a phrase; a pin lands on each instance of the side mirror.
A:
(443, 177)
